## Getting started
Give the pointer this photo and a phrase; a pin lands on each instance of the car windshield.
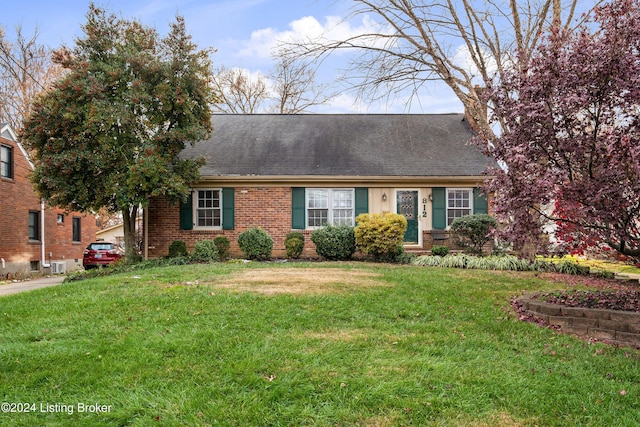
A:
(101, 246)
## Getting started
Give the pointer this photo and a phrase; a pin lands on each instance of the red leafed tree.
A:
(570, 145)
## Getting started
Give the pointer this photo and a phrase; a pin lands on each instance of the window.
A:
(459, 203)
(208, 208)
(34, 225)
(326, 206)
(6, 161)
(60, 219)
(76, 232)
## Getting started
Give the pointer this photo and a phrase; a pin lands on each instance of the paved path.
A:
(628, 276)
(28, 285)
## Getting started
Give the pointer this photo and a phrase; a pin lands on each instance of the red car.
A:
(99, 254)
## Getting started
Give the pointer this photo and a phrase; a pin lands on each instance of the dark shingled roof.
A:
(340, 145)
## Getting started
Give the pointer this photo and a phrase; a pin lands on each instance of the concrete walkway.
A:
(28, 285)
(628, 276)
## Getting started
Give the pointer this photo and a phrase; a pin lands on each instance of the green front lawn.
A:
(319, 344)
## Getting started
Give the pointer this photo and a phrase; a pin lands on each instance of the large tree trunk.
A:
(129, 216)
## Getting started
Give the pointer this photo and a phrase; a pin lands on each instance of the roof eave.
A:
(341, 180)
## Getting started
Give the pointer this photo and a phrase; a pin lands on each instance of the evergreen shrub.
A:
(178, 248)
(472, 232)
(223, 245)
(381, 235)
(294, 244)
(205, 251)
(256, 244)
(335, 242)
(440, 250)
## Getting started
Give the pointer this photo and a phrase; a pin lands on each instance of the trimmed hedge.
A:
(472, 232)
(256, 244)
(294, 244)
(381, 235)
(178, 248)
(336, 243)
(223, 245)
(205, 251)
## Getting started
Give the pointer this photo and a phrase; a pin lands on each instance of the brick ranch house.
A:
(288, 173)
(35, 238)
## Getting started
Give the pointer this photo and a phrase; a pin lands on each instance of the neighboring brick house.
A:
(33, 237)
(298, 172)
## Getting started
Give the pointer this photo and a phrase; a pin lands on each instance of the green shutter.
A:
(228, 208)
(186, 213)
(362, 200)
(439, 206)
(480, 205)
(297, 208)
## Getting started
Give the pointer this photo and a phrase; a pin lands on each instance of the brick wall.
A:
(18, 198)
(266, 207)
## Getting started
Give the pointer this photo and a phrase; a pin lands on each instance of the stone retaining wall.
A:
(611, 326)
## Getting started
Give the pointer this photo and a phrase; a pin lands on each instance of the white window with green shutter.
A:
(330, 207)
(451, 203)
(317, 207)
(208, 209)
(459, 203)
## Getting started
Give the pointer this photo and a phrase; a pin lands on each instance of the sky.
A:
(243, 32)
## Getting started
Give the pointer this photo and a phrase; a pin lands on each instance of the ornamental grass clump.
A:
(505, 263)
(572, 267)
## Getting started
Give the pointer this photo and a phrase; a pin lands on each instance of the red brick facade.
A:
(270, 208)
(266, 207)
(20, 255)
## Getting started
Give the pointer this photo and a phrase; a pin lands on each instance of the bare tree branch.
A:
(295, 87)
(237, 92)
(26, 70)
(464, 43)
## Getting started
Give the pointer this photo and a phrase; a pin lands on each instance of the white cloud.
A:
(463, 59)
(309, 29)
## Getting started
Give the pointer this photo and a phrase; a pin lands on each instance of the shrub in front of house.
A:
(177, 249)
(224, 246)
(294, 244)
(256, 244)
(381, 235)
(334, 242)
(205, 251)
(473, 232)
(440, 250)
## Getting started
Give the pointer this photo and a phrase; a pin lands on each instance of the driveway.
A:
(28, 285)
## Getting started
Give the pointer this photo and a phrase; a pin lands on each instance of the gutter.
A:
(343, 180)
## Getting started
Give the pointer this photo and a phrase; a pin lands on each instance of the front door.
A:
(407, 205)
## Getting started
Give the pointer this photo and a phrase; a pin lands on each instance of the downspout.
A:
(42, 235)
(145, 230)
